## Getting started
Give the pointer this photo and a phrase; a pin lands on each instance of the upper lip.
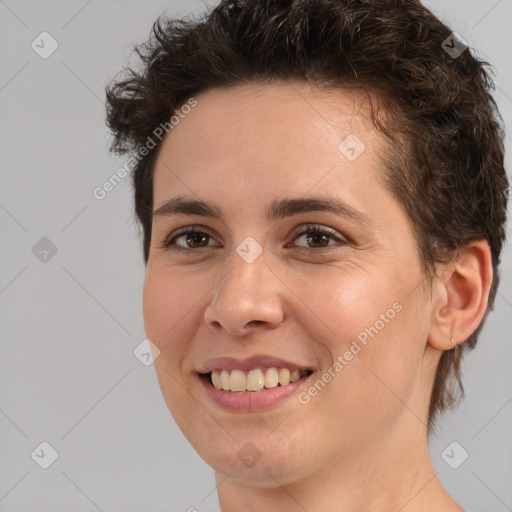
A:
(250, 363)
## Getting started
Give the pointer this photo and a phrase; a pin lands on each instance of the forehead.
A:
(277, 136)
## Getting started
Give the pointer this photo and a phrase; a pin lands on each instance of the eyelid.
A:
(306, 228)
(169, 241)
(298, 232)
(320, 228)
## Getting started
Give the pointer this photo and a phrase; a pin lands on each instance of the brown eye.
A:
(188, 239)
(195, 240)
(317, 237)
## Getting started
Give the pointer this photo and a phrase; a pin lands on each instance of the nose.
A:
(247, 298)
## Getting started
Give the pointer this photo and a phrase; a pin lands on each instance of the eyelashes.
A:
(319, 233)
(199, 236)
(192, 232)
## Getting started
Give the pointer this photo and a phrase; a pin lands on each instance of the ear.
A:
(460, 296)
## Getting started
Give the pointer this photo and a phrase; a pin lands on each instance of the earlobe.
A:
(462, 294)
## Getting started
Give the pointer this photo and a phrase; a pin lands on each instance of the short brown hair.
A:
(447, 165)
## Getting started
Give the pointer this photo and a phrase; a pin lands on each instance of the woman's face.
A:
(303, 260)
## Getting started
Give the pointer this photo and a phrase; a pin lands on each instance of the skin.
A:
(360, 444)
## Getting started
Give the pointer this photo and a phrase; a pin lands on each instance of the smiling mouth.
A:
(256, 380)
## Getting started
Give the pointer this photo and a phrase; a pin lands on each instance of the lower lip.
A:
(248, 401)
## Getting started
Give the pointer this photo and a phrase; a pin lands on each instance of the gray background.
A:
(69, 325)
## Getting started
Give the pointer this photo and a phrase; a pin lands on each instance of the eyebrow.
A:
(277, 209)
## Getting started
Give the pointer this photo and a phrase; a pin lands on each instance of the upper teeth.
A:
(254, 380)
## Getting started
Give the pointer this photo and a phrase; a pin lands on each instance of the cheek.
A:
(360, 302)
(370, 329)
(169, 304)
(169, 310)
(336, 304)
